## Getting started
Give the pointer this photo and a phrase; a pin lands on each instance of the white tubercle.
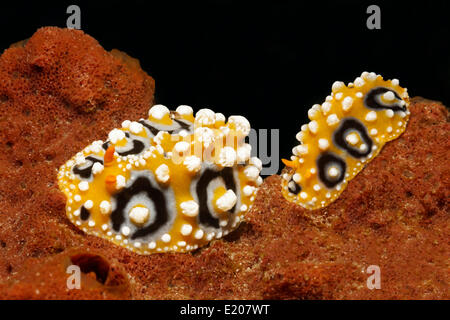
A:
(205, 135)
(254, 161)
(80, 159)
(116, 135)
(184, 110)
(220, 117)
(352, 138)
(162, 173)
(88, 204)
(312, 113)
(359, 82)
(126, 124)
(313, 126)
(326, 107)
(300, 149)
(205, 117)
(166, 237)
(251, 172)
(97, 168)
(227, 157)
(300, 136)
(186, 229)
(192, 163)
(105, 207)
(332, 119)
(248, 190)
(226, 201)
(199, 234)
(323, 144)
(337, 85)
(389, 113)
(189, 208)
(83, 186)
(182, 146)
(371, 116)
(96, 146)
(389, 96)
(136, 127)
(338, 96)
(139, 215)
(347, 103)
(243, 153)
(158, 111)
(120, 181)
(125, 230)
(240, 123)
(333, 172)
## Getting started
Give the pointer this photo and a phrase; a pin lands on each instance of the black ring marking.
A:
(205, 216)
(324, 161)
(371, 100)
(181, 126)
(138, 146)
(84, 213)
(350, 124)
(86, 172)
(141, 184)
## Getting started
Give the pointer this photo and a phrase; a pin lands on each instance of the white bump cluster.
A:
(80, 159)
(205, 117)
(227, 157)
(347, 103)
(240, 123)
(205, 135)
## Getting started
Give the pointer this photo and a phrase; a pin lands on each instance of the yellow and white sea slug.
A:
(172, 182)
(346, 132)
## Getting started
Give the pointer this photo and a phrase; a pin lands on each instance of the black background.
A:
(268, 61)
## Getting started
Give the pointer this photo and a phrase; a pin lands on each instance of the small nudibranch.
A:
(172, 182)
(345, 133)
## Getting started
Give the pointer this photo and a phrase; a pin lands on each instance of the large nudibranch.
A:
(346, 132)
(171, 182)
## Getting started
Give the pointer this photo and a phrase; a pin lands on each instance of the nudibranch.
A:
(172, 182)
(344, 133)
